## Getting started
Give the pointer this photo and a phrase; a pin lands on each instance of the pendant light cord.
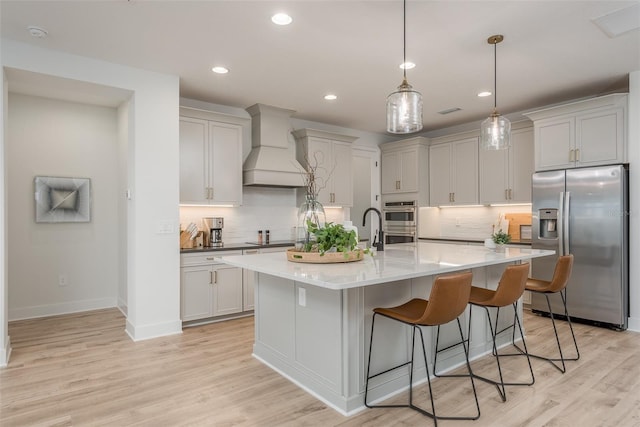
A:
(495, 76)
(404, 40)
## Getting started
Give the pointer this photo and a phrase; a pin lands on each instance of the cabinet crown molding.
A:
(418, 140)
(612, 100)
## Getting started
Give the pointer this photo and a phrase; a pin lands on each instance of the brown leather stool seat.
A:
(509, 290)
(448, 299)
(557, 285)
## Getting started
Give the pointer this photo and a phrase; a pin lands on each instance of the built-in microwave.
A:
(400, 214)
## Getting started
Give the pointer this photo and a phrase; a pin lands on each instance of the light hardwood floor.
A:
(83, 370)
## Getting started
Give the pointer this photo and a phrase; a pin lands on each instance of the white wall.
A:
(54, 138)
(633, 136)
(5, 342)
(153, 275)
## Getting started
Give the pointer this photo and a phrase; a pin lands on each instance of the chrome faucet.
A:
(380, 245)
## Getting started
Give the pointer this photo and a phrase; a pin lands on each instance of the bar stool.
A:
(448, 299)
(557, 285)
(510, 289)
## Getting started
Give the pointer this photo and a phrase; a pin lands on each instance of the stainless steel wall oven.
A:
(400, 221)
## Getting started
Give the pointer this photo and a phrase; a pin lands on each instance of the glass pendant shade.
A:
(495, 133)
(404, 110)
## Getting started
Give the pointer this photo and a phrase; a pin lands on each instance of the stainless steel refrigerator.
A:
(584, 212)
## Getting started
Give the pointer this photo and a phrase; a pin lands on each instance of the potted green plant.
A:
(500, 238)
(331, 243)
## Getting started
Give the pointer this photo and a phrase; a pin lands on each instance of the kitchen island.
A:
(313, 321)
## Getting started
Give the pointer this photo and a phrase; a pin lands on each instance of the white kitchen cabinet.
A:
(584, 133)
(249, 277)
(505, 175)
(332, 154)
(404, 170)
(209, 288)
(453, 173)
(210, 161)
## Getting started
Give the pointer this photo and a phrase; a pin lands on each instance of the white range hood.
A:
(272, 160)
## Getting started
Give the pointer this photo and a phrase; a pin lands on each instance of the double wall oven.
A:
(400, 222)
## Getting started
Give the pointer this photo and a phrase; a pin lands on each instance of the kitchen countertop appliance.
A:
(400, 222)
(584, 212)
(213, 231)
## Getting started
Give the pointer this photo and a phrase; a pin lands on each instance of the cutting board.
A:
(515, 221)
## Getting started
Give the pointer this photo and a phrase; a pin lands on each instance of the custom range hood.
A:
(272, 160)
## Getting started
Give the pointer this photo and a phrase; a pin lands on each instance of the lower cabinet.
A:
(209, 288)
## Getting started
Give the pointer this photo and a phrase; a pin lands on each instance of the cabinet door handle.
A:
(211, 277)
(210, 258)
(577, 155)
(397, 185)
(252, 251)
(506, 194)
(572, 155)
(211, 193)
(510, 196)
(214, 277)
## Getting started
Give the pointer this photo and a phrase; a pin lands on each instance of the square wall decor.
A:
(62, 199)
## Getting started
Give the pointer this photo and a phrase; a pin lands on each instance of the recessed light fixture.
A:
(281, 19)
(484, 94)
(220, 70)
(330, 97)
(407, 65)
(37, 32)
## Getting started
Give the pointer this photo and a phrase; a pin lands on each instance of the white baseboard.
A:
(35, 311)
(5, 353)
(145, 332)
(633, 324)
(122, 306)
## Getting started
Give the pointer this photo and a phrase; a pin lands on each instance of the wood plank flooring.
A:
(83, 370)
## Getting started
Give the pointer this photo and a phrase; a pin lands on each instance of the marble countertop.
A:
(396, 262)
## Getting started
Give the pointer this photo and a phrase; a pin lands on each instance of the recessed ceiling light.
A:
(220, 70)
(483, 94)
(281, 19)
(330, 97)
(407, 65)
(38, 32)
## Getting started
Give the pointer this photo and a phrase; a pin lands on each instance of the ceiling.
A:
(552, 51)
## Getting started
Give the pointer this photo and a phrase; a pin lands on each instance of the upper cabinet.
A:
(583, 133)
(505, 175)
(404, 170)
(331, 154)
(453, 173)
(210, 159)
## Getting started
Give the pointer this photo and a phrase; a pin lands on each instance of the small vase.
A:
(312, 211)
(500, 247)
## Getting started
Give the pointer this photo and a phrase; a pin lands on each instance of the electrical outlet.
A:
(302, 297)
(63, 280)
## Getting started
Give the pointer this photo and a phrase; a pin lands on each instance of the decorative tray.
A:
(328, 257)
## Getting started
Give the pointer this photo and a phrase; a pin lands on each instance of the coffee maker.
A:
(213, 231)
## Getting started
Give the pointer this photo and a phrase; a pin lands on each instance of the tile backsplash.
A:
(263, 208)
(463, 222)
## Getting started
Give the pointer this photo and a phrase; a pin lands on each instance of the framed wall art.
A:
(62, 199)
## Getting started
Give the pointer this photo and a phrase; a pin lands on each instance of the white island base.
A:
(313, 322)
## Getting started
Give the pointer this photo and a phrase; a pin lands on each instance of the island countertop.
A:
(396, 262)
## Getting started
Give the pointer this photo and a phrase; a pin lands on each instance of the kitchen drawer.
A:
(204, 257)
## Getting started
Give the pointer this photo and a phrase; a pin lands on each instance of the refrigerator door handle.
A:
(560, 224)
(565, 218)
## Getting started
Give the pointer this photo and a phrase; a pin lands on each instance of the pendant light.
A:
(404, 106)
(495, 131)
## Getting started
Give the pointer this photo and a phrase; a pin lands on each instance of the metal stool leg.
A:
(560, 367)
(411, 405)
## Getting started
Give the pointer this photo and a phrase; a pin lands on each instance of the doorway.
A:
(366, 189)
